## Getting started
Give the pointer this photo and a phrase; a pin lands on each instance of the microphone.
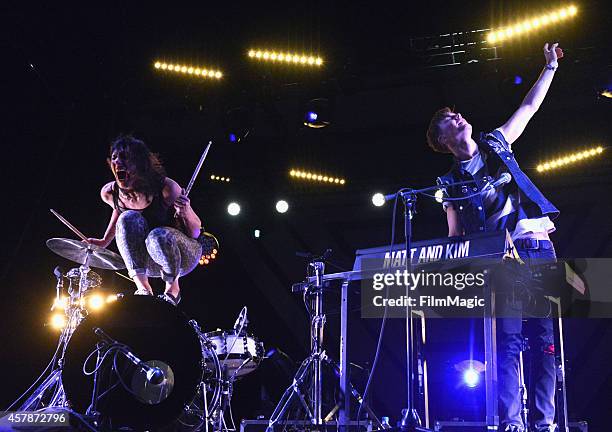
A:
(502, 180)
(154, 375)
(59, 275)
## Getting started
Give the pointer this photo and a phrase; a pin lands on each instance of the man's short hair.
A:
(434, 131)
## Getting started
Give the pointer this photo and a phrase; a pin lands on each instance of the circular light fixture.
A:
(282, 206)
(233, 209)
(378, 199)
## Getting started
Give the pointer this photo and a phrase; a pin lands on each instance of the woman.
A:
(155, 227)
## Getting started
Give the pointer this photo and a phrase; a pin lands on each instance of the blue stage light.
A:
(518, 80)
(312, 116)
(232, 138)
(471, 377)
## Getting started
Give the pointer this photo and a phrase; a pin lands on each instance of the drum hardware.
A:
(235, 350)
(311, 368)
(50, 393)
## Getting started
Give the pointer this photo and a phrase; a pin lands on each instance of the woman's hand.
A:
(182, 205)
(97, 242)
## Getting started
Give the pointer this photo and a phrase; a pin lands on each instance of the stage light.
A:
(304, 175)
(219, 178)
(317, 113)
(256, 233)
(378, 199)
(96, 301)
(188, 70)
(233, 209)
(439, 195)
(58, 321)
(285, 57)
(61, 303)
(470, 371)
(111, 298)
(282, 206)
(569, 159)
(530, 24)
(471, 377)
(606, 94)
(518, 80)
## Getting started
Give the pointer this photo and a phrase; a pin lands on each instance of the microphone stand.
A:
(411, 422)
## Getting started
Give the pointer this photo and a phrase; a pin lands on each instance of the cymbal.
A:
(76, 250)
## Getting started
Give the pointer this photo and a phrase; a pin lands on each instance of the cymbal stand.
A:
(50, 393)
(312, 366)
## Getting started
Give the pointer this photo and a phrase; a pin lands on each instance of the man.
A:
(518, 207)
(155, 227)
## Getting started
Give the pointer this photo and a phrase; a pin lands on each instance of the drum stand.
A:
(50, 393)
(312, 365)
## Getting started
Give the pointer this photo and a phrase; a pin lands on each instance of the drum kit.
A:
(140, 364)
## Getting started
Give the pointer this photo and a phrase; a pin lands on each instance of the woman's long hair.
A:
(150, 171)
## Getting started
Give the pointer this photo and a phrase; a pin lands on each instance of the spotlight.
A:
(58, 321)
(471, 377)
(439, 195)
(233, 209)
(256, 233)
(470, 372)
(282, 206)
(317, 113)
(96, 302)
(518, 80)
(378, 199)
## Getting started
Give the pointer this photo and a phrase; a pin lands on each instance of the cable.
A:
(53, 359)
(384, 318)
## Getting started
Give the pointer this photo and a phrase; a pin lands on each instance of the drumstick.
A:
(124, 276)
(195, 173)
(197, 170)
(68, 224)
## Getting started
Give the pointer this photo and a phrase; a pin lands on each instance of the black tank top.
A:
(156, 213)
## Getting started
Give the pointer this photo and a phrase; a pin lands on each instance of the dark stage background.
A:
(76, 77)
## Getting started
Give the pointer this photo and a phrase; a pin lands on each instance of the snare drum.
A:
(240, 353)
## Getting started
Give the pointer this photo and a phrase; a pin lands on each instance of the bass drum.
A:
(159, 335)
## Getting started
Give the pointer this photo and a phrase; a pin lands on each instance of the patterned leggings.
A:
(162, 252)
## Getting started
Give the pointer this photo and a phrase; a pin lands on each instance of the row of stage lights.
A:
(530, 24)
(569, 159)
(188, 70)
(271, 56)
(293, 58)
(92, 302)
(315, 177)
(219, 178)
(309, 60)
